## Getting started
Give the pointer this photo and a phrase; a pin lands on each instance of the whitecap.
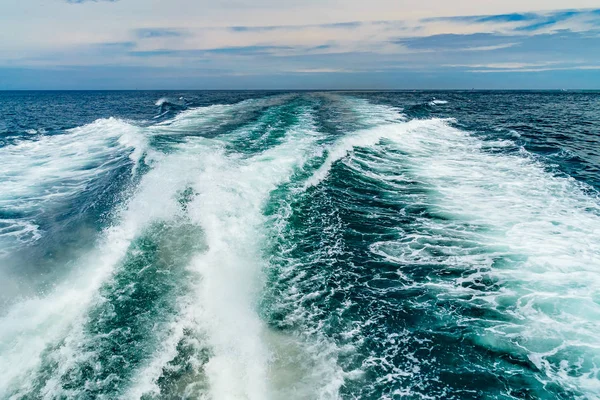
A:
(436, 102)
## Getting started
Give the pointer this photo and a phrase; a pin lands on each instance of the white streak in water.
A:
(37, 174)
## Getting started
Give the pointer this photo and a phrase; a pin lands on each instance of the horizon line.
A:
(311, 90)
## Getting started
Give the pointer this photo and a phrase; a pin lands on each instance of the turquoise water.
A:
(253, 245)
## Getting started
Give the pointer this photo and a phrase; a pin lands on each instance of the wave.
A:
(198, 214)
(35, 131)
(436, 102)
(501, 231)
(50, 171)
(48, 341)
(259, 256)
(530, 222)
(247, 358)
(170, 106)
(161, 101)
(384, 118)
(509, 228)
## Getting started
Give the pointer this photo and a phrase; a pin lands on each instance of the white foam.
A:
(197, 120)
(374, 115)
(145, 382)
(38, 322)
(30, 326)
(232, 192)
(23, 230)
(35, 174)
(550, 223)
(345, 146)
(436, 102)
(384, 118)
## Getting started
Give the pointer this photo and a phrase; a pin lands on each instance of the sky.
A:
(299, 44)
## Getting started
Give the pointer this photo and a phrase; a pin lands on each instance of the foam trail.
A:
(39, 175)
(43, 173)
(221, 318)
(53, 327)
(31, 326)
(536, 238)
(204, 120)
(381, 116)
(363, 235)
(543, 217)
(232, 192)
(544, 228)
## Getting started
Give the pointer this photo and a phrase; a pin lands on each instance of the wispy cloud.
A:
(150, 33)
(501, 23)
(544, 21)
(511, 67)
(321, 71)
(115, 45)
(243, 29)
(525, 22)
(270, 28)
(502, 65)
(514, 17)
(227, 51)
(343, 25)
(456, 42)
(246, 50)
(89, 1)
(491, 47)
(538, 69)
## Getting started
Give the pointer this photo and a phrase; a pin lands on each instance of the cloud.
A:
(509, 23)
(269, 28)
(526, 22)
(246, 50)
(149, 33)
(514, 17)
(550, 20)
(311, 39)
(455, 42)
(538, 69)
(89, 1)
(343, 25)
(162, 52)
(490, 48)
(563, 44)
(255, 28)
(227, 51)
(501, 65)
(115, 45)
(321, 71)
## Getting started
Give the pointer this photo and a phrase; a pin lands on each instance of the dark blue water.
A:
(270, 245)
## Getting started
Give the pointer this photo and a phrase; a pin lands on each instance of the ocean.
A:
(300, 245)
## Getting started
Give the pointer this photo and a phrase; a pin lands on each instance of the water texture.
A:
(273, 245)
